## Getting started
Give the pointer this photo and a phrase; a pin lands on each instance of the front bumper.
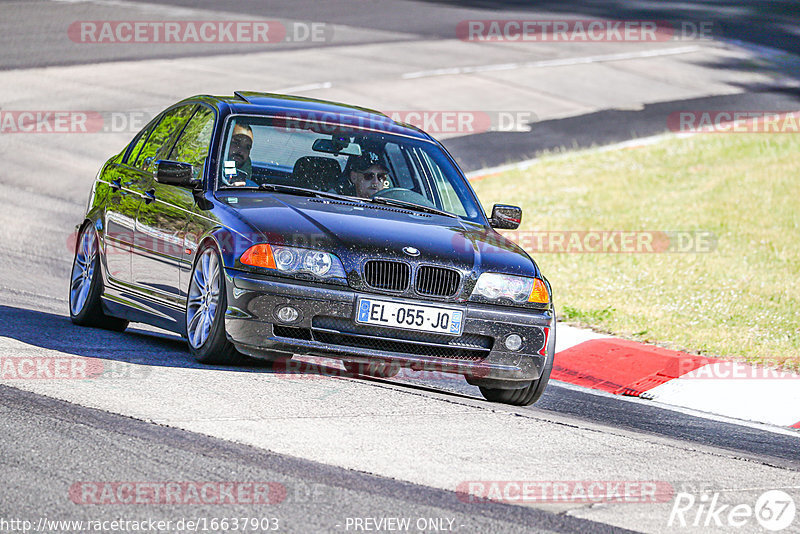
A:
(326, 328)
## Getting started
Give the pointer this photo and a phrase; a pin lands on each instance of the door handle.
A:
(149, 196)
(116, 184)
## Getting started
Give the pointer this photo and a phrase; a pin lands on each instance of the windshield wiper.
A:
(302, 191)
(292, 190)
(411, 206)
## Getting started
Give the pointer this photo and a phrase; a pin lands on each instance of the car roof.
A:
(255, 103)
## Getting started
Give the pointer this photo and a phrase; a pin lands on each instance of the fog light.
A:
(287, 314)
(513, 342)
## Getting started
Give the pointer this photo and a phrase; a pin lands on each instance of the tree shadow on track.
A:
(52, 332)
(766, 23)
(55, 332)
(608, 126)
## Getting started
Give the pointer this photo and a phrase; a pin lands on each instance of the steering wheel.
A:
(404, 194)
(388, 192)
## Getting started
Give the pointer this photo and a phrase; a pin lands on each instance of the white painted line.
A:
(694, 412)
(773, 401)
(563, 62)
(168, 11)
(568, 336)
(306, 87)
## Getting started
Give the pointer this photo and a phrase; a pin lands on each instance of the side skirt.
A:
(139, 309)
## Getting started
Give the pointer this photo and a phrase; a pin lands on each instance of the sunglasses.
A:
(369, 176)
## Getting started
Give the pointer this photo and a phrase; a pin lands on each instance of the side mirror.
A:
(505, 217)
(175, 173)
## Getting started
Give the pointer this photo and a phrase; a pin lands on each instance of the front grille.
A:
(343, 332)
(400, 347)
(437, 281)
(292, 332)
(387, 275)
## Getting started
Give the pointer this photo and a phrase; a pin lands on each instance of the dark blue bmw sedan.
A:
(267, 226)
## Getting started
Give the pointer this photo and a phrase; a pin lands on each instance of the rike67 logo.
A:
(773, 510)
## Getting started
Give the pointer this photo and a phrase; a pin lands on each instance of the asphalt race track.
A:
(340, 453)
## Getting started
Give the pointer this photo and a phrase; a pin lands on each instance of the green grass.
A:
(740, 301)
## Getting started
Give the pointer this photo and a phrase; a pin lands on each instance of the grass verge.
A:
(740, 300)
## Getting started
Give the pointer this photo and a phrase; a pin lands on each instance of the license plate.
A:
(410, 316)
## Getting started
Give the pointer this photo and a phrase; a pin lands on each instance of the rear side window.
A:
(193, 144)
(136, 145)
(160, 140)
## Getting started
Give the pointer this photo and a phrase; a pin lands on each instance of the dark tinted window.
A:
(163, 134)
(193, 144)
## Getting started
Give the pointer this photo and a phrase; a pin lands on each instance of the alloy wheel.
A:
(83, 271)
(203, 298)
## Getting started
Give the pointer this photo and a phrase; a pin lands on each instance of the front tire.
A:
(205, 312)
(86, 286)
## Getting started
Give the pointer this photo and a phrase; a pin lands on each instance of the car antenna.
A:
(239, 95)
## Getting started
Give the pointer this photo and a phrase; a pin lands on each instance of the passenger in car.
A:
(368, 174)
(239, 152)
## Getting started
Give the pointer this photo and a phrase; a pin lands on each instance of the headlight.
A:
(290, 260)
(517, 289)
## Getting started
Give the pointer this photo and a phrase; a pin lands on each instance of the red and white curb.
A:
(721, 387)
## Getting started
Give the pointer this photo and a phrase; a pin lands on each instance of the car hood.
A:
(359, 230)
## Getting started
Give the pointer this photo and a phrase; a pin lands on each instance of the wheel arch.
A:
(74, 239)
(228, 243)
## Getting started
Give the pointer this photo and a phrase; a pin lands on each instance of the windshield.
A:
(344, 160)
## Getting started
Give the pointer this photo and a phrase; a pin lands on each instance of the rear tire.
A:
(86, 286)
(534, 390)
(205, 312)
(376, 369)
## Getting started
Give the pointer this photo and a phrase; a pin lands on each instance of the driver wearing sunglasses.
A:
(368, 175)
